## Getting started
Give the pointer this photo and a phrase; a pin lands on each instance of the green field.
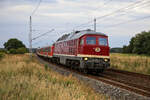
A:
(23, 79)
(131, 62)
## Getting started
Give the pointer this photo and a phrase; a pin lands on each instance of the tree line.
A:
(139, 44)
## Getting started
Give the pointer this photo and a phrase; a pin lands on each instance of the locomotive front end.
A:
(94, 52)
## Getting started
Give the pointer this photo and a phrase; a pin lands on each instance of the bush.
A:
(18, 51)
(22, 50)
(46, 67)
(3, 51)
(1, 55)
(13, 51)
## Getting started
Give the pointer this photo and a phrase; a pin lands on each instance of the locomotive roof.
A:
(78, 34)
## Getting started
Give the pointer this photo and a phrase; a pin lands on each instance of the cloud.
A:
(64, 15)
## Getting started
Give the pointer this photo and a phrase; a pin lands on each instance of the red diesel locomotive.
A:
(85, 50)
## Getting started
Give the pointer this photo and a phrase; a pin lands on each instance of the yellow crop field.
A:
(23, 79)
(131, 62)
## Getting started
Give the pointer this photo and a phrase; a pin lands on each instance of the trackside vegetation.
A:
(136, 55)
(131, 62)
(24, 79)
(1, 55)
(15, 46)
(139, 44)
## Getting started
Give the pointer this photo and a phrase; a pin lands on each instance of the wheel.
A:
(85, 71)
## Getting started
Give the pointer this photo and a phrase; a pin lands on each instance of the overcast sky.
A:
(65, 15)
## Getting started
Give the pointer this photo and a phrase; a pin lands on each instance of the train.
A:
(86, 50)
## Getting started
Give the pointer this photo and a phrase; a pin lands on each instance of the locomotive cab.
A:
(94, 45)
(94, 50)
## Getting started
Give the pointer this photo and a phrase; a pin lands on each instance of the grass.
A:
(131, 62)
(2, 55)
(23, 79)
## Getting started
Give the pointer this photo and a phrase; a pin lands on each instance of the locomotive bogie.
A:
(94, 63)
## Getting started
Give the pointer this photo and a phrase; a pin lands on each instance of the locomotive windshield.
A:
(91, 40)
(102, 41)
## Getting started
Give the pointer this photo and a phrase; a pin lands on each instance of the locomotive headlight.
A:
(105, 60)
(85, 58)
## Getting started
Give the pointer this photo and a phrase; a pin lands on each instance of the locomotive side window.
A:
(82, 41)
(102, 41)
(91, 40)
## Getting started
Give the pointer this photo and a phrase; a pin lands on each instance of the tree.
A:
(140, 44)
(116, 50)
(125, 49)
(13, 44)
(131, 45)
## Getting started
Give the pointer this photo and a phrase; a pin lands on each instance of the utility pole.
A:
(95, 24)
(30, 37)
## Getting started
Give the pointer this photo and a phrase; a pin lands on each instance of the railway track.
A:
(133, 82)
(134, 79)
(128, 82)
